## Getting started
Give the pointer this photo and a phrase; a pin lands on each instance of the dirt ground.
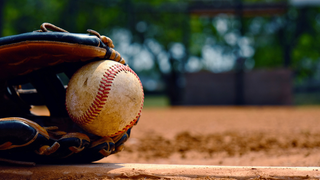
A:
(229, 136)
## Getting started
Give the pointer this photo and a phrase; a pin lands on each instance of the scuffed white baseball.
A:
(105, 98)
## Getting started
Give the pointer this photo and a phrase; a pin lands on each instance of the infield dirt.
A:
(231, 136)
(240, 143)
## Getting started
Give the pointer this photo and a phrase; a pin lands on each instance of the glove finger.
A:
(27, 52)
(120, 140)
(98, 149)
(104, 146)
(19, 132)
(19, 138)
(67, 145)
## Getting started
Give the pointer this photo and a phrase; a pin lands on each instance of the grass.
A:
(156, 101)
(306, 98)
(299, 99)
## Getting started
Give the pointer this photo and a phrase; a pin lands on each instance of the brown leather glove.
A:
(34, 59)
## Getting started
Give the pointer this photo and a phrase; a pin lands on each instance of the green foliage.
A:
(23, 16)
(168, 22)
(261, 1)
(73, 15)
(268, 57)
(306, 48)
(306, 56)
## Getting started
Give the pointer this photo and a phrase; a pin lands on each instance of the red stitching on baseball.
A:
(104, 83)
(102, 94)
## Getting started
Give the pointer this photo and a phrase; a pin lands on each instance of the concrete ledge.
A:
(155, 171)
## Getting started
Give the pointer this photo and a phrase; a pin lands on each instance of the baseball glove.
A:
(29, 67)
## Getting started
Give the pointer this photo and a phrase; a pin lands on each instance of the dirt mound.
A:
(231, 143)
(252, 136)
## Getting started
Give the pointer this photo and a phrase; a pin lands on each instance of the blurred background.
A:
(197, 52)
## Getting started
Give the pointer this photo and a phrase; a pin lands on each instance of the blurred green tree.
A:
(161, 40)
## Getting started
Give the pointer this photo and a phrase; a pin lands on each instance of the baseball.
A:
(105, 98)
